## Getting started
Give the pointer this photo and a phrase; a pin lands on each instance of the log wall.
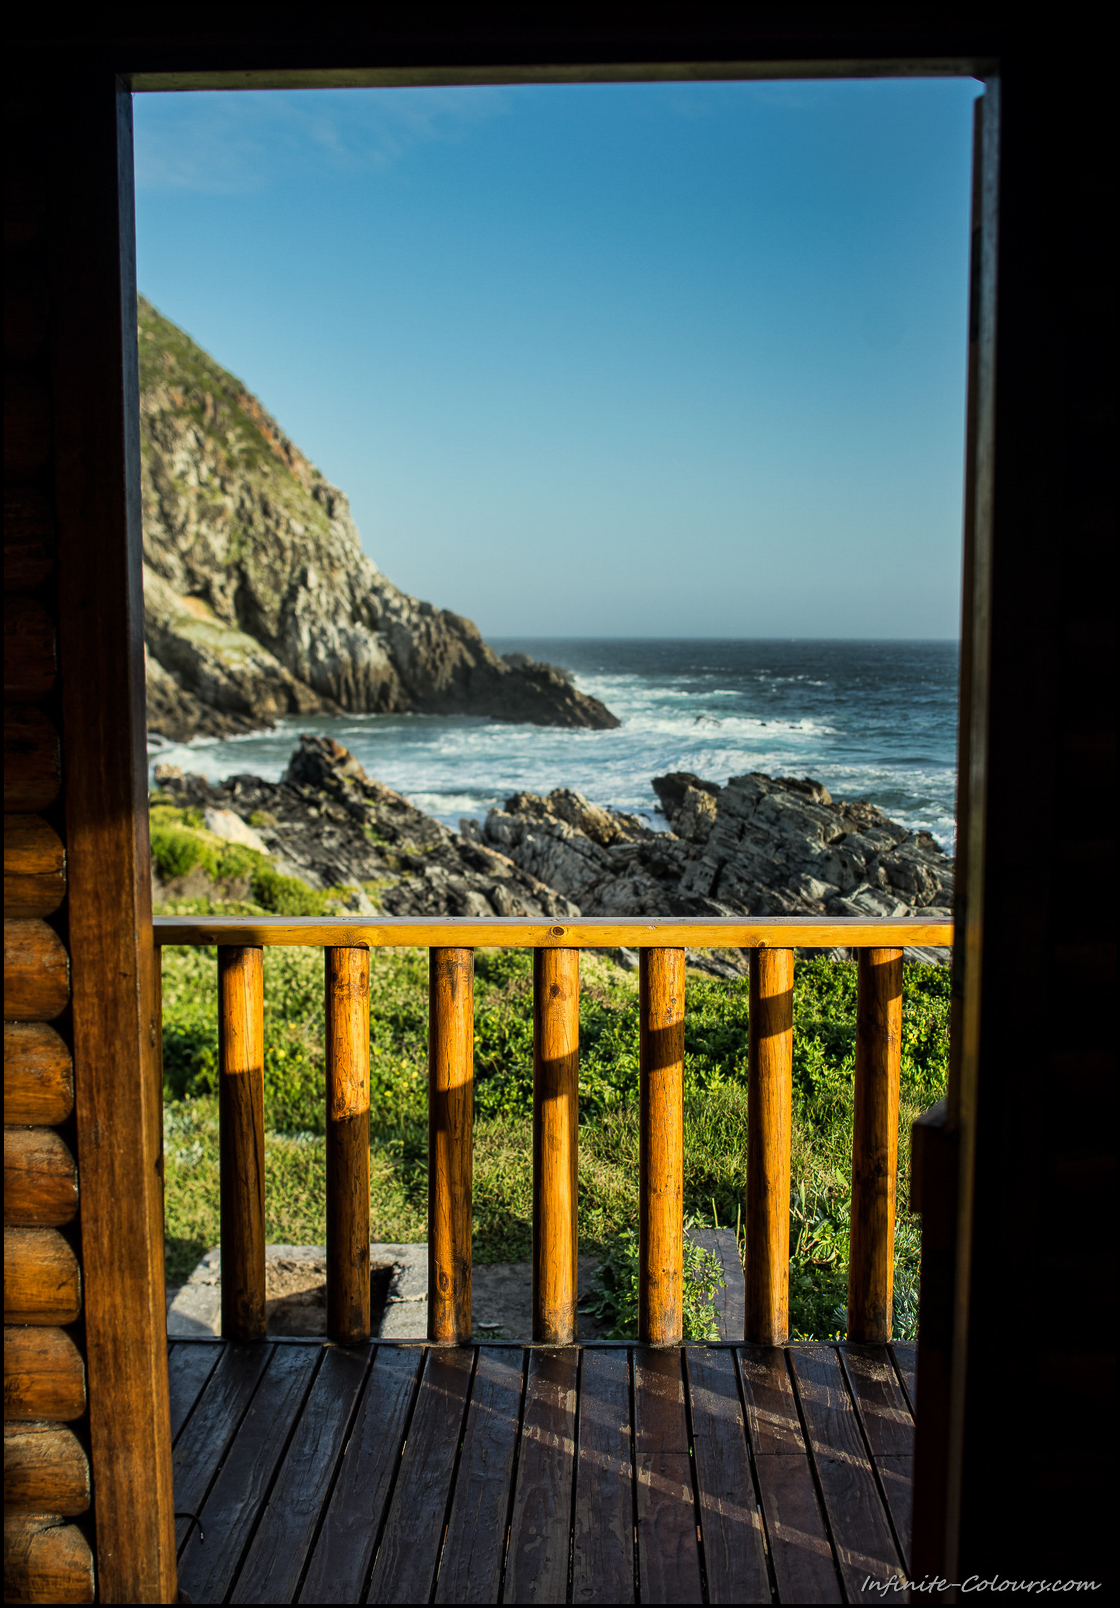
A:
(47, 1481)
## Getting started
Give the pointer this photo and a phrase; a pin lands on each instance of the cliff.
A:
(259, 600)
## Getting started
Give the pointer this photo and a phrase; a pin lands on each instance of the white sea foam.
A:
(874, 721)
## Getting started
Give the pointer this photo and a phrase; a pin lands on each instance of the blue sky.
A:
(599, 360)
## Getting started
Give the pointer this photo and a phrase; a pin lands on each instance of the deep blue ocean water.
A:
(873, 720)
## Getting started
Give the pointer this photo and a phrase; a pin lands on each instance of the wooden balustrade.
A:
(555, 1113)
(769, 1124)
(450, 1130)
(661, 1147)
(555, 1144)
(347, 982)
(875, 1145)
(241, 1119)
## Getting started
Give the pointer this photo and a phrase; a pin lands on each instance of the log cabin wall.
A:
(46, 1428)
(87, 1456)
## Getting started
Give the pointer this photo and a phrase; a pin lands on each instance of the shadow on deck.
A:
(504, 1473)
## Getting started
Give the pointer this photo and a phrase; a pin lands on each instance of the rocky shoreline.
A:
(757, 846)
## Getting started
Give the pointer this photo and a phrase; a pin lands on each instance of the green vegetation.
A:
(715, 1111)
(614, 1301)
(181, 844)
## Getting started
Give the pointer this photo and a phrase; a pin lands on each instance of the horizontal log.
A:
(45, 1469)
(27, 425)
(29, 538)
(32, 847)
(32, 759)
(36, 971)
(40, 1178)
(38, 1074)
(34, 866)
(45, 1561)
(30, 649)
(42, 1280)
(603, 932)
(44, 1374)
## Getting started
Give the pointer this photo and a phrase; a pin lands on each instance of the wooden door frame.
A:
(115, 1029)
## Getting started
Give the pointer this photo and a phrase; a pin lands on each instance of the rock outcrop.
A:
(259, 599)
(331, 826)
(760, 846)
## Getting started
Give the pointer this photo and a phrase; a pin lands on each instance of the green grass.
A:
(715, 1110)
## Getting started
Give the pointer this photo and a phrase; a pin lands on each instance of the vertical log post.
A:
(555, 1141)
(875, 1145)
(347, 995)
(769, 1102)
(450, 1125)
(661, 1167)
(241, 1116)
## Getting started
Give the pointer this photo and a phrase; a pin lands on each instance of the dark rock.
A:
(759, 846)
(331, 825)
(773, 849)
(671, 789)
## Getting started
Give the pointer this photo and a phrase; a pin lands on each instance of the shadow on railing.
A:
(451, 942)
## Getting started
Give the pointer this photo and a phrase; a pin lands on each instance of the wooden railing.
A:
(661, 943)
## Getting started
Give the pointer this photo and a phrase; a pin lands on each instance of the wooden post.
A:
(875, 1145)
(347, 992)
(450, 1126)
(769, 1102)
(241, 1117)
(661, 1167)
(555, 1144)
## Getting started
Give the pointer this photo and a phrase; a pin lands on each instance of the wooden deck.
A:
(507, 1473)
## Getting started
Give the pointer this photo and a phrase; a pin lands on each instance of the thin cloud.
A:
(242, 142)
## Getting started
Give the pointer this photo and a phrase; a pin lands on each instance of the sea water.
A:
(872, 720)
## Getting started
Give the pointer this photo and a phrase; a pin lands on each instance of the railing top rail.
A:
(595, 932)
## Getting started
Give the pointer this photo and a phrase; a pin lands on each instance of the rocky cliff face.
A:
(259, 600)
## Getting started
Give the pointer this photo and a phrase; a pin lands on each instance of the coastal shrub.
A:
(176, 852)
(715, 1104)
(613, 1299)
(178, 848)
(285, 896)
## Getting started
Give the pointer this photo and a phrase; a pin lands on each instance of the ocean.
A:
(872, 720)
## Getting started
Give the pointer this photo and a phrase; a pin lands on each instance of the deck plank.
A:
(603, 1532)
(861, 1532)
(540, 1524)
(188, 1369)
(284, 1536)
(897, 1477)
(207, 1568)
(298, 1456)
(343, 1555)
(470, 1569)
(773, 1421)
(800, 1548)
(883, 1409)
(889, 1429)
(407, 1559)
(730, 1523)
(905, 1355)
(668, 1550)
(218, 1412)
